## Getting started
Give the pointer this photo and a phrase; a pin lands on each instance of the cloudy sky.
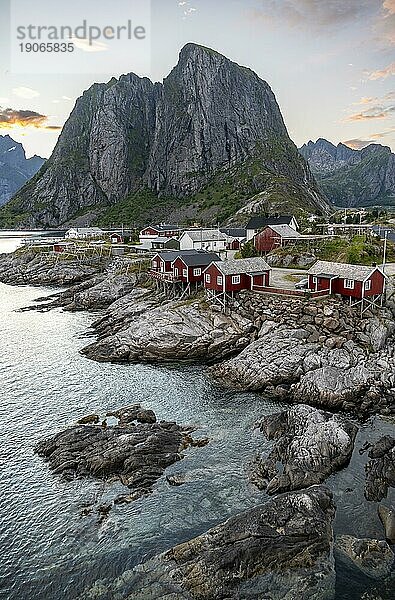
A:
(331, 63)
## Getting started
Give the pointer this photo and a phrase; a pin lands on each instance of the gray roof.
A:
(200, 259)
(236, 232)
(342, 270)
(163, 227)
(260, 222)
(243, 265)
(205, 235)
(285, 231)
(86, 229)
(170, 255)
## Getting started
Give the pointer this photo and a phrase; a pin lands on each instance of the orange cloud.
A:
(357, 143)
(382, 73)
(389, 5)
(10, 117)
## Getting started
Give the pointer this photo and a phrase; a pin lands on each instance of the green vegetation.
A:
(357, 250)
(247, 251)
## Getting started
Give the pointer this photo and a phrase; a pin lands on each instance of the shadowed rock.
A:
(380, 470)
(310, 445)
(136, 450)
(373, 557)
(387, 517)
(281, 550)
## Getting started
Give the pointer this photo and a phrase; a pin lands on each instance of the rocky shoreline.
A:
(317, 355)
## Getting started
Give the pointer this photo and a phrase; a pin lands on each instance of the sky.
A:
(330, 63)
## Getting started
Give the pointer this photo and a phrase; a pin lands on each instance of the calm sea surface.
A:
(48, 550)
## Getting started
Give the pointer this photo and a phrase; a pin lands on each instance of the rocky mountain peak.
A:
(209, 119)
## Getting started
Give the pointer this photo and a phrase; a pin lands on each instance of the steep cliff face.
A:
(15, 168)
(353, 177)
(211, 134)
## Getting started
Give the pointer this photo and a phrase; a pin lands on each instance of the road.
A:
(281, 277)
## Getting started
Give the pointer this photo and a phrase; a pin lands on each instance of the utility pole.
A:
(385, 249)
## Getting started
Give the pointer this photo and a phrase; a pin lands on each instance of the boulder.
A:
(309, 445)
(373, 557)
(175, 331)
(387, 517)
(276, 357)
(380, 469)
(280, 550)
(135, 450)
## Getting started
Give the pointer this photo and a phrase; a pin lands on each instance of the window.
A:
(185, 272)
(176, 271)
(219, 280)
(349, 284)
(314, 279)
(208, 277)
(367, 285)
(235, 279)
(197, 272)
(162, 267)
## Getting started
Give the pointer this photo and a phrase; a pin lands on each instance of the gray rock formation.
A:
(136, 449)
(387, 517)
(373, 557)
(15, 168)
(352, 177)
(280, 550)
(380, 469)
(210, 118)
(31, 268)
(309, 445)
(174, 331)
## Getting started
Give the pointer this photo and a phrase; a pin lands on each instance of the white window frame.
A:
(349, 284)
(220, 280)
(208, 278)
(367, 286)
(176, 271)
(185, 272)
(315, 279)
(235, 279)
(197, 272)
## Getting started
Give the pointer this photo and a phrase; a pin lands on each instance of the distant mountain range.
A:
(350, 177)
(208, 143)
(15, 168)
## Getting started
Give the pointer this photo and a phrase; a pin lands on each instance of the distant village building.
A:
(275, 236)
(356, 282)
(212, 240)
(256, 224)
(162, 230)
(237, 236)
(231, 276)
(82, 233)
(165, 243)
(60, 247)
(116, 238)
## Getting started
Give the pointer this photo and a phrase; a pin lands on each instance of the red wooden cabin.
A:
(274, 236)
(230, 276)
(162, 230)
(353, 281)
(189, 268)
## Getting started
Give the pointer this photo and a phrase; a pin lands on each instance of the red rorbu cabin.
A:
(353, 281)
(230, 276)
(189, 268)
(274, 236)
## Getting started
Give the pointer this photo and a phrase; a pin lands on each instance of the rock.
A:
(176, 331)
(275, 358)
(170, 137)
(373, 557)
(135, 453)
(89, 419)
(331, 386)
(27, 267)
(280, 550)
(380, 470)
(387, 517)
(310, 445)
(105, 292)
